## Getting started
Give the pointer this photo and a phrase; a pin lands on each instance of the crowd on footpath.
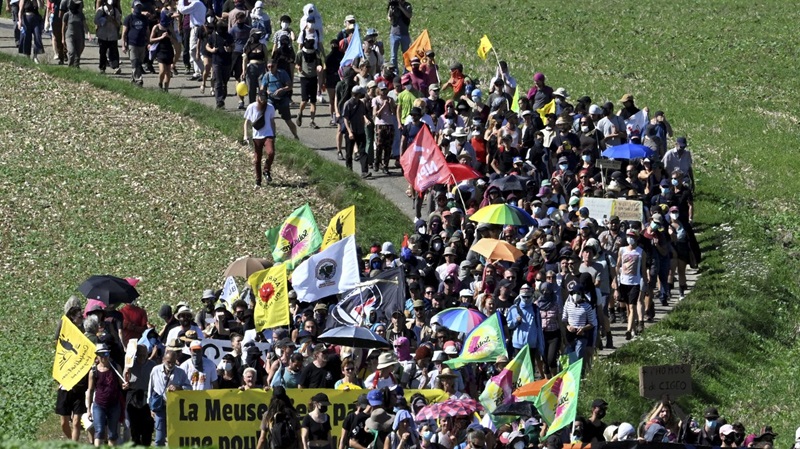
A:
(577, 274)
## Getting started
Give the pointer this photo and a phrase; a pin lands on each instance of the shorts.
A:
(72, 402)
(629, 294)
(282, 106)
(308, 89)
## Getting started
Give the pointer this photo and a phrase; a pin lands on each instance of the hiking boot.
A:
(118, 71)
(299, 120)
(313, 125)
(103, 71)
(366, 175)
(628, 335)
(151, 69)
(385, 170)
(609, 341)
(268, 176)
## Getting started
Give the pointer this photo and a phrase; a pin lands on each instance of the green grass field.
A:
(724, 72)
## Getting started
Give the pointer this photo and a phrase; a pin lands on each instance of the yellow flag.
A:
(342, 225)
(484, 47)
(74, 355)
(549, 108)
(418, 48)
(272, 297)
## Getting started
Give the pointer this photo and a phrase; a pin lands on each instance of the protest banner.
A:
(628, 210)
(670, 380)
(231, 419)
(230, 293)
(215, 349)
(600, 209)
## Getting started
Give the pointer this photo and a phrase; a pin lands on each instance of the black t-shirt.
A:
(316, 430)
(354, 426)
(313, 377)
(223, 43)
(593, 432)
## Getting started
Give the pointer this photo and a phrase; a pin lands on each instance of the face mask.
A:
(577, 297)
(536, 210)
(673, 217)
(654, 226)
(586, 158)
(427, 435)
(228, 366)
(584, 129)
(664, 190)
(537, 284)
(284, 25)
(563, 167)
(601, 414)
(110, 2)
(519, 445)
(674, 181)
(711, 423)
(323, 408)
(197, 359)
(631, 241)
(527, 299)
(729, 439)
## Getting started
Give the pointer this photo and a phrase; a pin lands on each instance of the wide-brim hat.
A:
(379, 420)
(386, 360)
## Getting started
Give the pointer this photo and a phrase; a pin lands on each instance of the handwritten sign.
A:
(670, 380)
(628, 210)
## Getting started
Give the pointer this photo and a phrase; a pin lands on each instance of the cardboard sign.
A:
(609, 164)
(599, 208)
(628, 210)
(670, 380)
(130, 353)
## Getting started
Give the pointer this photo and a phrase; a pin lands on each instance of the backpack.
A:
(283, 435)
(285, 51)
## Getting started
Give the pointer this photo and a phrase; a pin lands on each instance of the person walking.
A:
(354, 114)
(30, 20)
(134, 42)
(316, 426)
(278, 84)
(383, 112)
(399, 13)
(163, 35)
(254, 62)
(108, 19)
(103, 397)
(308, 64)
(74, 32)
(261, 116)
(196, 11)
(220, 46)
(165, 378)
(136, 407)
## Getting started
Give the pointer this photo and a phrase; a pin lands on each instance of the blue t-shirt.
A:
(274, 82)
(240, 33)
(137, 30)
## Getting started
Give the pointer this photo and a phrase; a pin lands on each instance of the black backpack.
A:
(283, 435)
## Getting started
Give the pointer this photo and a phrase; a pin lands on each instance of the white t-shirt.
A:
(204, 380)
(252, 113)
(173, 333)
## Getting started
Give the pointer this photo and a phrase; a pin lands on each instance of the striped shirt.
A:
(578, 315)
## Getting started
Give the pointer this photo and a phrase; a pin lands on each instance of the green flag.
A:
(297, 238)
(558, 400)
(499, 389)
(484, 344)
(515, 100)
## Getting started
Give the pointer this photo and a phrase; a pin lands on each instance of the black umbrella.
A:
(525, 409)
(355, 336)
(108, 289)
(510, 183)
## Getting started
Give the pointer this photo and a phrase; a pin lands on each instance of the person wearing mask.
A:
(196, 11)
(280, 425)
(316, 426)
(631, 273)
(254, 62)
(308, 63)
(580, 320)
(709, 435)
(136, 407)
(240, 32)
(289, 377)
(594, 427)
(227, 376)
(163, 37)
(164, 378)
(524, 319)
(404, 432)
(383, 112)
(314, 375)
(200, 369)
(184, 316)
(108, 18)
(74, 32)
(679, 158)
(277, 83)
(353, 425)
(134, 42)
(332, 62)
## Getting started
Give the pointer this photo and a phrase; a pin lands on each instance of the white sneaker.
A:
(35, 59)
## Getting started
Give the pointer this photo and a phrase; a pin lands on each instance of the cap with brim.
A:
(447, 373)
(321, 398)
(711, 413)
(183, 310)
(102, 349)
(172, 345)
(190, 336)
(379, 420)
(208, 294)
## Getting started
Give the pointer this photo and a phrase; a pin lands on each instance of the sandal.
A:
(408, 192)
(340, 155)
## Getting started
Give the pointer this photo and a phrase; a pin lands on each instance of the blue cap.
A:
(375, 397)
(477, 93)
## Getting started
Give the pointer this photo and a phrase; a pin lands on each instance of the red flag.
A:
(462, 172)
(423, 163)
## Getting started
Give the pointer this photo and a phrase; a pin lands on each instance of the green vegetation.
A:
(724, 72)
(131, 182)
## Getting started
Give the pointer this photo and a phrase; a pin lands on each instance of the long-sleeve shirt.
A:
(195, 9)
(160, 381)
(527, 331)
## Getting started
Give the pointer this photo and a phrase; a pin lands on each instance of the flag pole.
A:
(463, 203)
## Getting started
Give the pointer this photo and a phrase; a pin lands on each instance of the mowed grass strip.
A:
(101, 177)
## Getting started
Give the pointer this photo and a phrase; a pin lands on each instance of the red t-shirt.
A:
(136, 316)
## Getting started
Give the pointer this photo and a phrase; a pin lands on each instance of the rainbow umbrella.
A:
(459, 319)
(503, 214)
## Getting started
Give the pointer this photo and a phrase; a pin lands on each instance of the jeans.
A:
(664, 264)
(161, 428)
(254, 72)
(186, 39)
(398, 42)
(222, 74)
(361, 141)
(106, 417)
(370, 144)
(14, 15)
(577, 346)
(196, 60)
(137, 56)
(32, 44)
(109, 54)
(552, 344)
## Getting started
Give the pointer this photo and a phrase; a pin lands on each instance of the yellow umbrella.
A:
(348, 386)
(496, 250)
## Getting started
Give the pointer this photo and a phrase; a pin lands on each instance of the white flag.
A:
(230, 293)
(331, 271)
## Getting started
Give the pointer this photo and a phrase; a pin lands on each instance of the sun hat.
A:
(386, 360)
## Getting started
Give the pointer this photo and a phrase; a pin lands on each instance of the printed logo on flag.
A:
(326, 272)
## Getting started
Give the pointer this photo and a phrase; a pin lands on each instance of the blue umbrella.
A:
(354, 336)
(628, 151)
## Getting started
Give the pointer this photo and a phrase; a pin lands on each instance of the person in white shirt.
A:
(200, 370)
(196, 10)
(184, 316)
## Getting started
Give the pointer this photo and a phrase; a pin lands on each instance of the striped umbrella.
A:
(459, 319)
(503, 214)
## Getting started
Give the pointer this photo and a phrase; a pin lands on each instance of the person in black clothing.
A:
(253, 360)
(228, 375)
(353, 426)
(316, 425)
(314, 375)
(220, 46)
(594, 426)
(355, 119)
(332, 62)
